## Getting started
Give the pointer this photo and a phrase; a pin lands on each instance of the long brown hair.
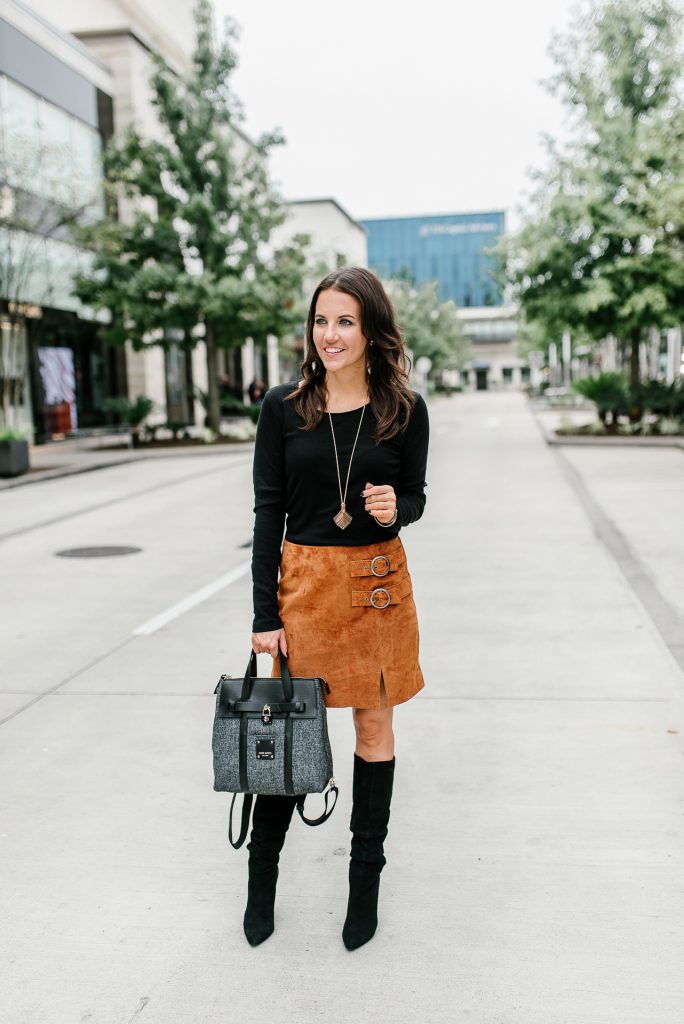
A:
(387, 363)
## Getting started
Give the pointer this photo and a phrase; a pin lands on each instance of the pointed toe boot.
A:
(270, 822)
(371, 799)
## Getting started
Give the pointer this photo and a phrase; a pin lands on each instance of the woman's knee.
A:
(372, 729)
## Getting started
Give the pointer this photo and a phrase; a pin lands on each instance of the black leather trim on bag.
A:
(243, 754)
(289, 785)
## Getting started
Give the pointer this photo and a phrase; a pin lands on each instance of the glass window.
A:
(21, 128)
(525, 374)
(48, 152)
(508, 374)
(87, 155)
(56, 176)
(25, 275)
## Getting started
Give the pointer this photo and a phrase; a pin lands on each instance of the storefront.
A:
(71, 373)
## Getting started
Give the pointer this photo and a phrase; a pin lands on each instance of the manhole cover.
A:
(97, 552)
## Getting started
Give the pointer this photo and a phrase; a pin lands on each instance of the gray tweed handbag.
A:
(271, 736)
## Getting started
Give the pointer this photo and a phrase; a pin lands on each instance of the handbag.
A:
(270, 736)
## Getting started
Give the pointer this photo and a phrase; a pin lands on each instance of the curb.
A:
(606, 440)
(73, 469)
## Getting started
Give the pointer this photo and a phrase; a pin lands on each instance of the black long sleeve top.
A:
(296, 486)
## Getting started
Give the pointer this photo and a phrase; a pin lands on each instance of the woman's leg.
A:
(372, 795)
(270, 822)
(374, 735)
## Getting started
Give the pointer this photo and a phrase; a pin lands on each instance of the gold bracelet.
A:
(391, 522)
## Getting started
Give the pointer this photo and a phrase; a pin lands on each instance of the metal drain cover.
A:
(97, 552)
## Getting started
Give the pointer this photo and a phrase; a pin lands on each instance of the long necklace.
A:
(343, 519)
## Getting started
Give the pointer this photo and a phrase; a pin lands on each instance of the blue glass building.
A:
(449, 249)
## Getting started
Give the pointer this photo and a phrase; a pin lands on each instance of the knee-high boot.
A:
(371, 796)
(270, 822)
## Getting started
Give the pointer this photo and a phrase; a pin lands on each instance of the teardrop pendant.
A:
(342, 519)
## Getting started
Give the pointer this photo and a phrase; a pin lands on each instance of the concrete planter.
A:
(14, 458)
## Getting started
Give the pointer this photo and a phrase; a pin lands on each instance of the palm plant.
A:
(132, 413)
(609, 392)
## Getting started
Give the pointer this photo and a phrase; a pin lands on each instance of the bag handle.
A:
(250, 676)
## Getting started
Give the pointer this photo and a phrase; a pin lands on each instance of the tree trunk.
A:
(634, 367)
(213, 410)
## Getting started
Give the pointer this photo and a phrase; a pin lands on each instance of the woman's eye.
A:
(345, 321)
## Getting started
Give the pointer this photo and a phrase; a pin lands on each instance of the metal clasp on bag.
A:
(266, 716)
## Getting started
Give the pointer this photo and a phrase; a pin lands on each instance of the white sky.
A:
(397, 109)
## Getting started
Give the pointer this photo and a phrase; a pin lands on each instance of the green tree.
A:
(193, 258)
(601, 252)
(430, 327)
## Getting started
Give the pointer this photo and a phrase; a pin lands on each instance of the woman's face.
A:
(337, 331)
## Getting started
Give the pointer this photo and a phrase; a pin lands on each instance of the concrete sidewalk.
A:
(71, 457)
(535, 855)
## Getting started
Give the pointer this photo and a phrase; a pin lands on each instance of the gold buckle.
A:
(380, 590)
(381, 559)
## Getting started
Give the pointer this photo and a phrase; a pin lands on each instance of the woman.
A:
(340, 460)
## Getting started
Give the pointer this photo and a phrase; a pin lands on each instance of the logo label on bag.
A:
(265, 750)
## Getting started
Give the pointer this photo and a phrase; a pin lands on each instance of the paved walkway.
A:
(71, 457)
(535, 856)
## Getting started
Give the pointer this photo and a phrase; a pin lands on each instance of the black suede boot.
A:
(270, 822)
(372, 795)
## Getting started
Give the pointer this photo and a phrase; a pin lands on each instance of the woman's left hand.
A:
(381, 501)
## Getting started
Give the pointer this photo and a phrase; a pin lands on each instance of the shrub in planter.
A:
(609, 392)
(14, 453)
(133, 414)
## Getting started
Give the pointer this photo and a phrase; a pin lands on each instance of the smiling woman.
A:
(339, 463)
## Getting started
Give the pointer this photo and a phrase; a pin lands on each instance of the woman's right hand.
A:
(270, 643)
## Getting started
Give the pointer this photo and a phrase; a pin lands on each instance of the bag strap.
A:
(244, 823)
(332, 788)
(248, 799)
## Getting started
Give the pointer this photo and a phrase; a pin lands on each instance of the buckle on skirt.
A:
(380, 565)
(380, 602)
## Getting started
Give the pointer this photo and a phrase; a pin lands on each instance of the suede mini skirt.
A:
(350, 619)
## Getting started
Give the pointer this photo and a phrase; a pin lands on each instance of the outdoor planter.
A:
(14, 457)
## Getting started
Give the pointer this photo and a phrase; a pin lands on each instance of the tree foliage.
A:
(430, 327)
(194, 247)
(601, 251)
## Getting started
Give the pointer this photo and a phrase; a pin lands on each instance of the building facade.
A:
(449, 249)
(124, 35)
(55, 115)
(495, 363)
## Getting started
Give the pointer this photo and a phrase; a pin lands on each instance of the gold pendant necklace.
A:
(343, 519)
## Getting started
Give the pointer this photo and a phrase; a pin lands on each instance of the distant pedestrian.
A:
(256, 391)
(340, 462)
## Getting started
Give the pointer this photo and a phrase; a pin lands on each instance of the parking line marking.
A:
(192, 600)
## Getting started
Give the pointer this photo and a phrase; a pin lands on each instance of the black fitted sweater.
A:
(295, 485)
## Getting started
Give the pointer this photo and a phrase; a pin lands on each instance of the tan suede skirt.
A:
(349, 618)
